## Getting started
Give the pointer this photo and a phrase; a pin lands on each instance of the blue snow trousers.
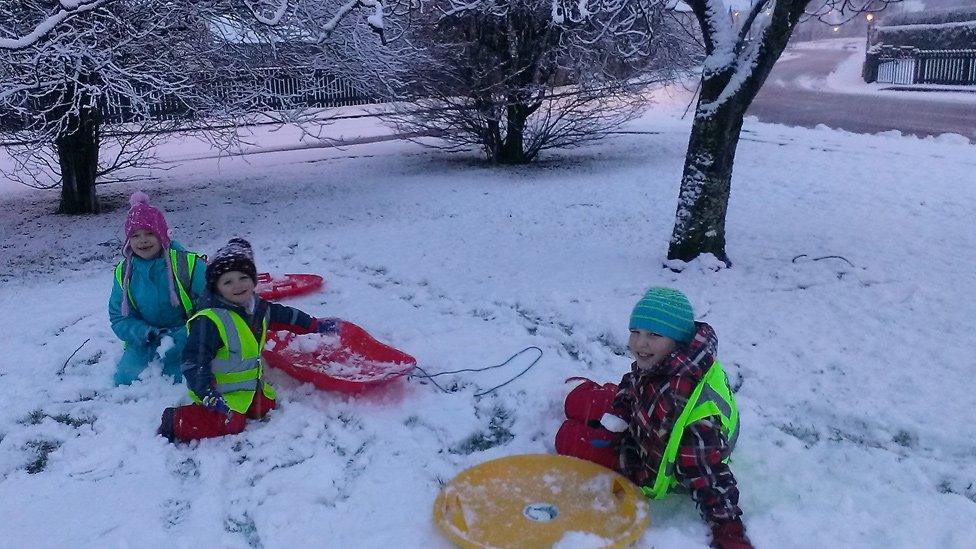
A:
(136, 359)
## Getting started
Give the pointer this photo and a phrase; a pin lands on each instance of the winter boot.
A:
(730, 535)
(166, 425)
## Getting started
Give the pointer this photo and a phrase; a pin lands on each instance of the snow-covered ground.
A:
(846, 324)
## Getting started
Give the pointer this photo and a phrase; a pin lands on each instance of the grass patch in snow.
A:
(498, 433)
(41, 449)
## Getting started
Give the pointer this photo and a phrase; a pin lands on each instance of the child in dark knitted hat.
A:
(153, 292)
(672, 422)
(222, 361)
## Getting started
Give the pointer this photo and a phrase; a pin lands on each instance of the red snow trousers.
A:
(194, 421)
(581, 435)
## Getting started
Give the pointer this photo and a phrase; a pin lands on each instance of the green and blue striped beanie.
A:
(664, 311)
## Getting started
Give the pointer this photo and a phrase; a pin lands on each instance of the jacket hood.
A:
(700, 351)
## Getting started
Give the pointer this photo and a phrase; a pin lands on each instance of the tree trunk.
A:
(706, 183)
(513, 150)
(492, 141)
(77, 151)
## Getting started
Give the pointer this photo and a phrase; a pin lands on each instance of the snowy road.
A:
(799, 92)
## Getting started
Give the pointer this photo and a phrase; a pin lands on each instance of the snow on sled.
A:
(539, 501)
(350, 362)
(278, 286)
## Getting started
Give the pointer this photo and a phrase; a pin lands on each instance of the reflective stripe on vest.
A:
(237, 368)
(711, 398)
(183, 265)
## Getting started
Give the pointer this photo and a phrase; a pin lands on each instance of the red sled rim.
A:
(355, 362)
(287, 285)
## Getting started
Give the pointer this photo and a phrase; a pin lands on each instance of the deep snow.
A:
(853, 372)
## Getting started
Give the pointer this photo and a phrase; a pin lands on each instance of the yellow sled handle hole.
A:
(619, 491)
(452, 509)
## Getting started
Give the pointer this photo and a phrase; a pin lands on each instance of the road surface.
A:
(785, 100)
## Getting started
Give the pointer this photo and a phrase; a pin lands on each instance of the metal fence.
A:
(946, 67)
(257, 90)
(267, 89)
(914, 66)
(896, 71)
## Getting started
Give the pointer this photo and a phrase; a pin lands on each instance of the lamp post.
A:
(869, 71)
(870, 19)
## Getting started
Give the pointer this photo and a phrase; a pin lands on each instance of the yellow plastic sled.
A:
(536, 501)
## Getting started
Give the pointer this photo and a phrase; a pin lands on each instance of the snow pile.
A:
(311, 343)
(845, 325)
(581, 540)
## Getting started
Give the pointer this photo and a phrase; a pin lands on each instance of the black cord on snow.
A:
(842, 258)
(425, 375)
(65, 365)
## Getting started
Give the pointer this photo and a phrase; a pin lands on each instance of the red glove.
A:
(730, 535)
(588, 401)
(579, 440)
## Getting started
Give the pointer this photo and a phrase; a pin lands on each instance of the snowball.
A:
(613, 423)
(165, 344)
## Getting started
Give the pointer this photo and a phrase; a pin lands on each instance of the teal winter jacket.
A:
(149, 288)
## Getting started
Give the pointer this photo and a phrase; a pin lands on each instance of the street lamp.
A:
(870, 19)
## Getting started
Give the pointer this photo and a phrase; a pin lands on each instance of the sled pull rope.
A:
(425, 375)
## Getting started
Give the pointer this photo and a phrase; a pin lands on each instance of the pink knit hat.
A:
(143, 216)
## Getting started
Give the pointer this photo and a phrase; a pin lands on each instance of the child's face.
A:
(649, 349)
(144, 244)
(236, 287)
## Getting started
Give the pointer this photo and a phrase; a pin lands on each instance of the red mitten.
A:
(588, 401)
(577, 439)
(730, 535)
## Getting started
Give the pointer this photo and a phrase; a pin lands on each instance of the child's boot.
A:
(166, 425)
(134, 360)
(730, 535)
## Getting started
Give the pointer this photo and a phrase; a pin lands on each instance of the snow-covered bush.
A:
(516, 77)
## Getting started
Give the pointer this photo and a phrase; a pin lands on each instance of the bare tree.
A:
(741, 48)
(90, 86)
(115, 62)
(516, 77)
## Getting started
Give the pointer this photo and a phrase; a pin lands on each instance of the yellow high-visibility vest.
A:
(238, 367)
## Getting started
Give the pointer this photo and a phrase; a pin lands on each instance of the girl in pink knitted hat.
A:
(153, 292)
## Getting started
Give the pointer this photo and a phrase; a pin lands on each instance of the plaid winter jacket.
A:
(651, 401)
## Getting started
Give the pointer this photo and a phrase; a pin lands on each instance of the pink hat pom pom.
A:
(138, 197)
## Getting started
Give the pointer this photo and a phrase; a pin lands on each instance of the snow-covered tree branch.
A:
(47, 20)
(741, 48)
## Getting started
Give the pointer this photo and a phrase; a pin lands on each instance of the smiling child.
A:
(153, 292)
(222, 359)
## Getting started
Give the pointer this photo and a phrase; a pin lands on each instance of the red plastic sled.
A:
(352, 362)
(287, 285)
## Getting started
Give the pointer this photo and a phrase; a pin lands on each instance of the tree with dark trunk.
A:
(517, 77)
(77, 149)
(741, 49)
(117, 57)
(88, 88)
